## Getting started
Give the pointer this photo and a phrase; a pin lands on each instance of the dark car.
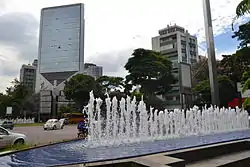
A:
(7, 124)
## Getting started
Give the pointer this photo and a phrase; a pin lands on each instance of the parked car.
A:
(8, 138)
(53, 124)
(7, 124)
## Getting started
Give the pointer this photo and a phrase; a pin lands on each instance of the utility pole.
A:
(211, 53)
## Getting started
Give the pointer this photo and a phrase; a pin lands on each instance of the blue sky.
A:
(224, 43)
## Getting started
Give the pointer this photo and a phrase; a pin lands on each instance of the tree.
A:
(226, 91)
(245, 77)
(65, 109)
(243, 8)
(236, 64)
(151, 70)
(200, 71)
(20, 96)
(4, 102)
(78, 88)
(110, 84)
(243, 35)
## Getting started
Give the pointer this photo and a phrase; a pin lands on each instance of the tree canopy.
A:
(243, 35)
(236, 64)
(243, 8)
(19, 97)
(227, 91)
(110, 83)
(78, 88)
(151, 70)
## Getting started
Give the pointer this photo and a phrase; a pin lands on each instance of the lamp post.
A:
(211, 53)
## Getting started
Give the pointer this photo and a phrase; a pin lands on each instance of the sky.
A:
(113, 28)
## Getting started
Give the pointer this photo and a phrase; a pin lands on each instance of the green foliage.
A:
(236, 64)
(78, 88)
(5, 101)
(19, 97)
(109, 84)
(243, 35)
(200, 71)
(246, 85)
(65, 109)
(151, 70)
(203, 90)
(243, 8)
(138, 95)
(226, 90)
(245, 77)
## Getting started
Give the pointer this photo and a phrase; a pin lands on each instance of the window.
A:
(183, 42)
(3, 132)
(169, 46)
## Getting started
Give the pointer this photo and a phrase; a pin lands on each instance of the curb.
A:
(34, 147)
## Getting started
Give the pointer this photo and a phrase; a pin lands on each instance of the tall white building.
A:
(181, 48)
(61, 48)
(61, 44)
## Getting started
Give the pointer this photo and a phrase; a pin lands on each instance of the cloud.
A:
(3, 4)
(112, 27)
(18, 43)
(111, 61)
(19, 31)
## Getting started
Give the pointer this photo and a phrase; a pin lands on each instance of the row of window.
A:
(170, 30)
(58, 28)
(67, 47)
(62, 12)
(168, 38)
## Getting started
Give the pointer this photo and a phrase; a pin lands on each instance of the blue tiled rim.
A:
(75, 153)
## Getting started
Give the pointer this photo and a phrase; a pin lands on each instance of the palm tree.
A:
(243, 8)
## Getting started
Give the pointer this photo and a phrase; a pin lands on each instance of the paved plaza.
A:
(37, 135)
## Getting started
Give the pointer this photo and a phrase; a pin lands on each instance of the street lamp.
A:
(211, 53)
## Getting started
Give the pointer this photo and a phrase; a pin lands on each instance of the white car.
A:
(8, 138)
(53, 124)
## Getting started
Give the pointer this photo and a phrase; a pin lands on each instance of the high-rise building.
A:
(61, 43)
(35, 63)
(93, 70)
(181, 48)
(177, 43)
(61, 47)
(28, 76)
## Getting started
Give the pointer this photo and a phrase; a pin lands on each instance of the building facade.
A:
(35, 63)
(93, 70)
(61, 49)
(181, 48)
(28, 76)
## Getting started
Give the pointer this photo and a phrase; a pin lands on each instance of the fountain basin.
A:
(76, 153)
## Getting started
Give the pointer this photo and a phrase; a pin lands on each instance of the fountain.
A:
(127, 129)
(131, 122)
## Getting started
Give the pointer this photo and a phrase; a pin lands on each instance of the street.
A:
(37, 135)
